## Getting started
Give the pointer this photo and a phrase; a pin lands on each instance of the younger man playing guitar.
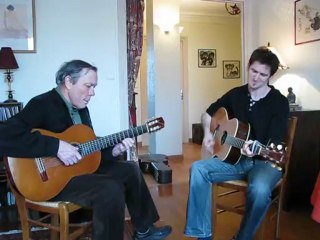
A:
(266, 110)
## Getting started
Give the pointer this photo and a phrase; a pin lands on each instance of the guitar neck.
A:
(256, 147)
(111, 140)
(234, 141)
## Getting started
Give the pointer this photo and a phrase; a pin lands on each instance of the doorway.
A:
(200, 86)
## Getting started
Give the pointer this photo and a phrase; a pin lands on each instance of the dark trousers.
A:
(106, 192)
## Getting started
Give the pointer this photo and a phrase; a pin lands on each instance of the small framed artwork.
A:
(306, 21)
(17, 25)
(207, 58)
(231, 69)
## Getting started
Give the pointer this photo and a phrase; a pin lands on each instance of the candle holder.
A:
(9, 79)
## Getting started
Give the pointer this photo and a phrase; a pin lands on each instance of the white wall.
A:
(79, 29)
(167, 92)
(274, 23)
(164, 82)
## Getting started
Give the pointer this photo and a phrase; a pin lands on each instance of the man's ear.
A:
(68, 82)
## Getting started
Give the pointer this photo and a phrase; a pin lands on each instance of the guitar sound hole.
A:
(224, 137)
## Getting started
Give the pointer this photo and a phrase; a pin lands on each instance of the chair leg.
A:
(23, 215)
(277, 231)
(214, 206)
(64, 221)
(261, 228)
(54, 222)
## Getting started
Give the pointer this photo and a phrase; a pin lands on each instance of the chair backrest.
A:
(292, 123)
(9, 177)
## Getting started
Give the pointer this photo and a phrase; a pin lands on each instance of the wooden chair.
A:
(56, 217)
(239, 186)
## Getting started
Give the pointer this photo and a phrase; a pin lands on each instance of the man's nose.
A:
(91, 92)
(256, 77)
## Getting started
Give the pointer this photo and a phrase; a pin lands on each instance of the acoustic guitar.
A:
(230, 135)
(40, 179)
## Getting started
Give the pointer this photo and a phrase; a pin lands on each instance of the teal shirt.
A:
(74, 113)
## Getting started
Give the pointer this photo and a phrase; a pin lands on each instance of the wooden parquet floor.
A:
(171, 200)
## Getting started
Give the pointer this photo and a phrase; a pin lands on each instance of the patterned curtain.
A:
(135, 10)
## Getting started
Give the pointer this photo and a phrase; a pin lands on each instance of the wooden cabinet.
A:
(197, 133)
(305, 160)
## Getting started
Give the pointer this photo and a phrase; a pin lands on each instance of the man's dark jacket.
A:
(46, 111)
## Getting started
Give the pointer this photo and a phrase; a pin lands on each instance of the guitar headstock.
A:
(275, 153)
(155, 124)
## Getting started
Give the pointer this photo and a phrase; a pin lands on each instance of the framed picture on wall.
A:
(17, 25)
(306, 21)
(207, 58)
(231, 69)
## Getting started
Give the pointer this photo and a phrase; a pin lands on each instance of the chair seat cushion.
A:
(47, 204)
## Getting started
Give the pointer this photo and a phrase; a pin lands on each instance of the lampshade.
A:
(282, 64)
(7, 59)
(166, 15)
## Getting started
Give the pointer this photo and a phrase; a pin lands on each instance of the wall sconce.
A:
(166, 18)
(282, 64)
(8, 62)
(181, 29)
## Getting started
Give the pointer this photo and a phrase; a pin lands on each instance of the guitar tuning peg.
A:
(272, 145)
(279, 147)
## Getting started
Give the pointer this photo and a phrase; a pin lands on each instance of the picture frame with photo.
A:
(306, 21)
(231, 69)
(207, 58)
(17, 25)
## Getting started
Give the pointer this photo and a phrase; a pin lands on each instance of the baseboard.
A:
(175, 156)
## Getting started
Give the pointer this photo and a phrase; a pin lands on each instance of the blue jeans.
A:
(261, 178)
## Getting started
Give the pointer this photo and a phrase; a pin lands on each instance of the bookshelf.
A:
(7, 110)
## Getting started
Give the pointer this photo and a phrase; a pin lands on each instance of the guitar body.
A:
(221, 126)
(26, 177)
(40, 179)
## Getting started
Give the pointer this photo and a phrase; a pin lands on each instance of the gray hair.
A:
(75, 69)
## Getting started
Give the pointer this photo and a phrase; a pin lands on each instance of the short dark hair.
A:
(265, 56)
(74, 69)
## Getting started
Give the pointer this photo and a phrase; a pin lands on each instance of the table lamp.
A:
(8, 62)
(282, 64)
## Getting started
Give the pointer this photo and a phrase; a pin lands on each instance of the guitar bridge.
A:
(42, 169)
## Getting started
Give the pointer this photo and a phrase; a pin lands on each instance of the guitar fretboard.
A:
(111, 140)
(238, 143)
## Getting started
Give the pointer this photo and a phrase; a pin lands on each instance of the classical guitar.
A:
(40, 179)
(230, 136)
